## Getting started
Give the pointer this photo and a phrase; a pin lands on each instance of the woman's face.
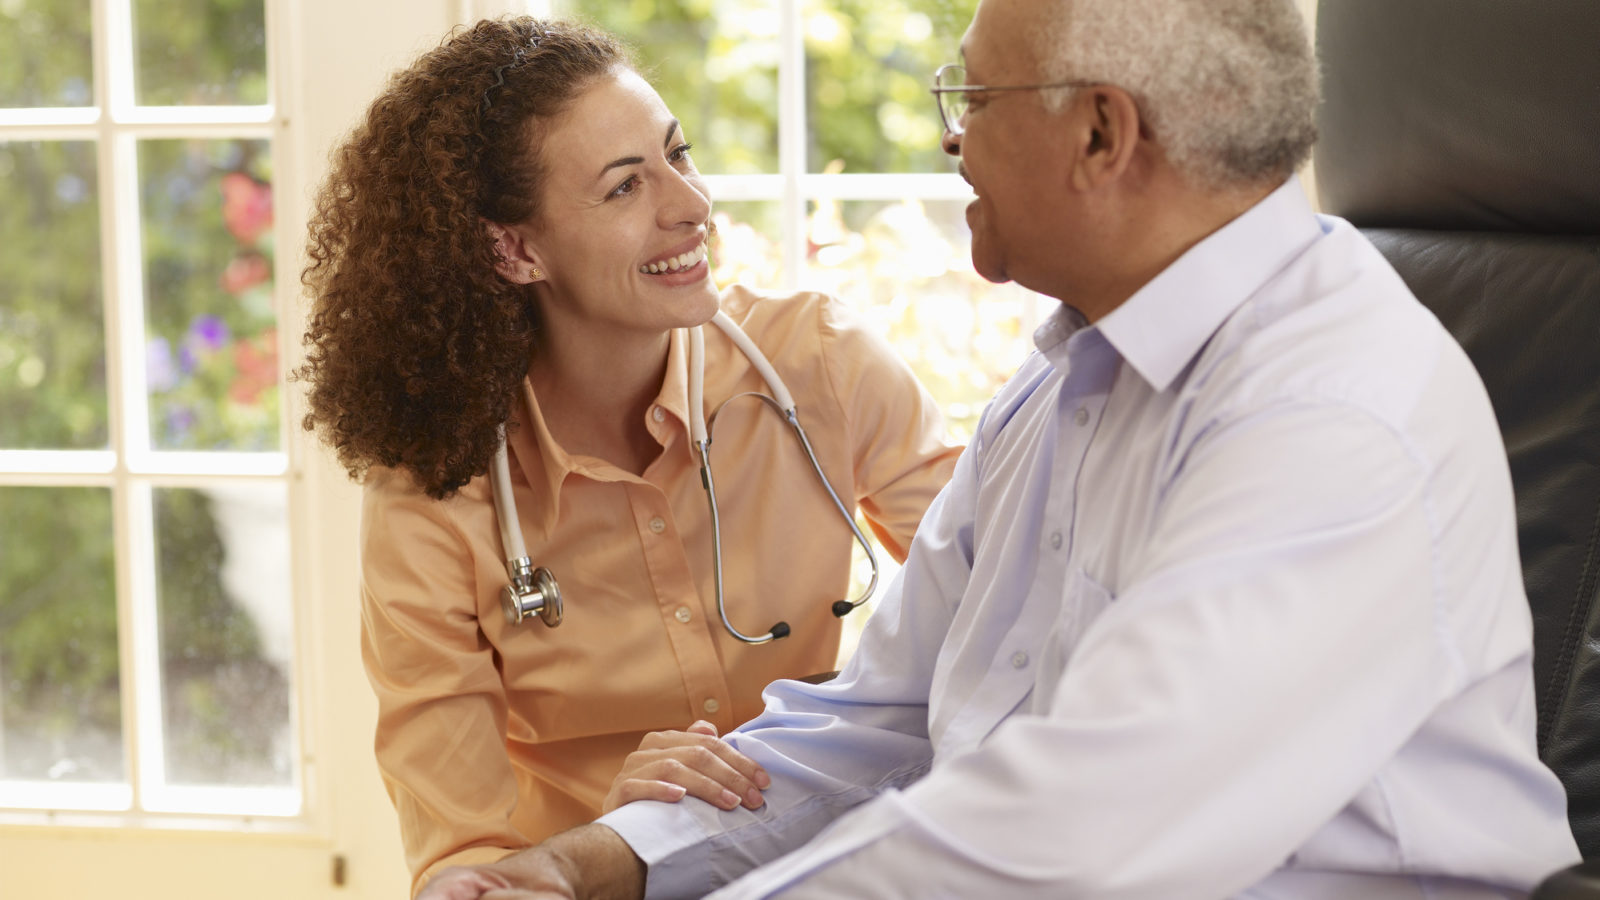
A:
(621, 233)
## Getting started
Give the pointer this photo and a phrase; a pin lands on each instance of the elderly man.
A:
(1224, 597)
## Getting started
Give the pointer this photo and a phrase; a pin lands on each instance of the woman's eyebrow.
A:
(672, 128)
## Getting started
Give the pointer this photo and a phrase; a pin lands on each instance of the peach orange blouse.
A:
(492, 737)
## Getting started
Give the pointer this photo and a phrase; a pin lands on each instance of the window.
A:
(813, 124)
(147, 659)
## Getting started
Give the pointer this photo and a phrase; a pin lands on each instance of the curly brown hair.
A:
(415, 346)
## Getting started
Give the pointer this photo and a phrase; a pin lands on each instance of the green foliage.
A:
(58, 630)
(869, 64)
(211, 353)
(211, 364)
(44, 53)
(868, 67)
(52, 378)
(200, 51)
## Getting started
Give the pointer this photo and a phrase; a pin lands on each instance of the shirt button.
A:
(658, 414)
(1081, 416)
(683, 614)
(658, 525)
(711, 705)
(1055, 540)
(1019, 660)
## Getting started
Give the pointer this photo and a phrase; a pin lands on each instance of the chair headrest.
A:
(1461, 114)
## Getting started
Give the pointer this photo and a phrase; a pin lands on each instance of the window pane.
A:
(869, 64)
(60, 702)
(200, 52)
(746, 249)
(715, 63)
(907, 268)
(52, 332)
(44, 53)
(212, 346)
(226, 645)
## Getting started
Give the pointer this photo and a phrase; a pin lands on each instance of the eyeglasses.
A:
(950, 88)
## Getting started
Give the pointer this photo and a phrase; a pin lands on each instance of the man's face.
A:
(1006, 153)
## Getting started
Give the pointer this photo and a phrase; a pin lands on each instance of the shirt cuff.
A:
(671, 842)
(808, 871)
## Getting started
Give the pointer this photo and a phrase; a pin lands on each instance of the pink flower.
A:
(257, 363)
(245, 272)
(246, 207)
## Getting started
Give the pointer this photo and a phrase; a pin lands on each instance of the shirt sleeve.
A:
(897, 432)
(441, 706)
(1234, 697)
(828, 747)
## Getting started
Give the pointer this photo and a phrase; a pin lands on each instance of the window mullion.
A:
(144, 658)
(792, 138)
(104, 37)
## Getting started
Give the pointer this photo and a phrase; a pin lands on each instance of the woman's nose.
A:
(689, 202)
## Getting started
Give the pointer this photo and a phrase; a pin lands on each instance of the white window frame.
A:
(792, 186)
(131, 470)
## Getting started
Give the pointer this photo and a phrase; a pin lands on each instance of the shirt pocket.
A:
(1083, 599)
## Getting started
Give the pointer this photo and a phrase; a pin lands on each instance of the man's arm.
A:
(827, 747)
(589, 862)
(1248, 681)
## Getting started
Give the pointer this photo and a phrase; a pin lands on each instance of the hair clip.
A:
(500, 71)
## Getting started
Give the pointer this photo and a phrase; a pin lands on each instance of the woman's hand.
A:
(695, 762)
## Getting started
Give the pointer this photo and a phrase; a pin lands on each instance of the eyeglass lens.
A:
(952, 104)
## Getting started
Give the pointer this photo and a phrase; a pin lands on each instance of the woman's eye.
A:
(626, 187)
(680, 152)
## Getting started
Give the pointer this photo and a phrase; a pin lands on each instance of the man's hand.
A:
(590, 862)
(671, 764)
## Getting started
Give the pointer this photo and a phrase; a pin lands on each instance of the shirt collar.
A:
(1166, 323)
(546, 465)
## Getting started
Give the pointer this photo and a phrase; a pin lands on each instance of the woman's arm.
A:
(902, 455)
(441, 705)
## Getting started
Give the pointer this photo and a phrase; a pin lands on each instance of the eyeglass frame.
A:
(956, 129)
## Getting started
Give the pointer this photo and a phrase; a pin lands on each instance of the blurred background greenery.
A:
(210, 373)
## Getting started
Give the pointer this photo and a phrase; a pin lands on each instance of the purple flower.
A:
(161, 370)
(207, 333)
(179, 421)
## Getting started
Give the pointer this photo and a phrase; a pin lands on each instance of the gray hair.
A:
(1228, 87)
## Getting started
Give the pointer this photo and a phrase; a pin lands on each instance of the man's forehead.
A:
(999, 31)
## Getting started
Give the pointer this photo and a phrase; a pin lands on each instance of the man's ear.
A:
(1107, 129)
(515, 260)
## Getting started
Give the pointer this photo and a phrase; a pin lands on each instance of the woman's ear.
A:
(514, 259)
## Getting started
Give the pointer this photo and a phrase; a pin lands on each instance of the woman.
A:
(515, 239)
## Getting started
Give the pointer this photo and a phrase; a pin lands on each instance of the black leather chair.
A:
(1463, 136)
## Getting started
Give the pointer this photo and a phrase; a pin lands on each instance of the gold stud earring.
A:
(534, 274)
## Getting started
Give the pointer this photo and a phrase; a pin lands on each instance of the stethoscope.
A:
(533, 590)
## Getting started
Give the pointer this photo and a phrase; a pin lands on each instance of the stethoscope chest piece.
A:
(531, 592)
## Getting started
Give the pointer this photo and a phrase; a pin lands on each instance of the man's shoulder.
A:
(1339, 326)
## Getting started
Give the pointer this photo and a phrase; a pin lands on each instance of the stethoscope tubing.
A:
(539, 585)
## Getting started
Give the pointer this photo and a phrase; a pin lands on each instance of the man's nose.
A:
(950, 143)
